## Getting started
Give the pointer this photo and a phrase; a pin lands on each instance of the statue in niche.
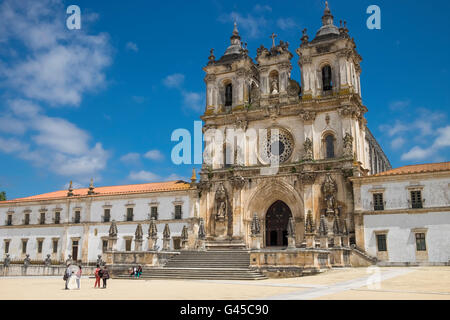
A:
(274, 85)
(308, 146)
(48, 261)
(27, 261)
(348, 145)
(329, 190)
(7, 261)
(221, 200)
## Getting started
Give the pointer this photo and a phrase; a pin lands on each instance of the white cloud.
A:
(397, 143)
(441, 141)
(131, 157)
(57, 65)
(252, 25)
(400, 104)
(194, 100)
(132, 46)
(154, 155)
(175, 177)
(286, 23)
(417, 153)
(145, 176)
(174, 80)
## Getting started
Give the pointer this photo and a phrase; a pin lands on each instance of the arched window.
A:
(326, 78)
(228, 156)
(228, 95)
(329, 144)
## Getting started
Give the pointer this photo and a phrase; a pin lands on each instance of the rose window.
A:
(278, 147)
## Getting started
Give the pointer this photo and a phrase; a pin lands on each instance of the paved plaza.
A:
(352, 283)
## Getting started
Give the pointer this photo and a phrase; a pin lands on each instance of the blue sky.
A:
(103, 101)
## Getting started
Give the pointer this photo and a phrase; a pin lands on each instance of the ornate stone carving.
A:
(100, 261)
(323, 228)
(221, 203)
(274, 85)
(308, 177)
(184, 233)
(113, 230)
(291, 227)
(91, 187)
(308, 115)
(204, 186)
(27, 261)
(48, 261)
(166, 232)
(241, 124)
(256, 225)
(138, 235)
(201, 230)
(69, 260)
(293, 88)
(350, 111)
(7, 261)
(348, 145)
(70, 190)
(238, 182)
(309, 224)
(308, 146)
(329, 191)
(152, 231)
(337, 226)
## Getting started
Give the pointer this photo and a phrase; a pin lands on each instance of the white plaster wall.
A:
(396, 194)
(401, 243)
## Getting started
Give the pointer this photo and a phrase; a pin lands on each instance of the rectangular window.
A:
(381, 242)
(129, 214)
(154, 213)
(55, 246)
(77, 216)
(27, 219)
(57, 217)
(178, 212)
(6, 247)
(106, 215)
(104, 245)
(378, 204)
(128, 244)
(42, 219)
(40, 242)
(420, 242)
(9, 221)
(416, 199)
(24, 246)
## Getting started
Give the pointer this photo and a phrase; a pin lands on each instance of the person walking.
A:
(139, 271)
(67, 275)
(97, 274)
(135, 272)
(105, 276)
(79, 272)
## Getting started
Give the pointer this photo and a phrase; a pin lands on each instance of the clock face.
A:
(278, 148)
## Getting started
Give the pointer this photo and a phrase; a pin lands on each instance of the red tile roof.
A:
(111, 190)
(418, 168)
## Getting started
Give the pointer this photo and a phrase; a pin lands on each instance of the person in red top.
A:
(97, 277)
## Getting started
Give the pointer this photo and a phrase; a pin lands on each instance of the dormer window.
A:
(228, 95)
(326, 78)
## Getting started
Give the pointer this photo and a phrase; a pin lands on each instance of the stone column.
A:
(201, 236)
(152, 235)
(256, 233)
(138, 238)
(323, 233)
(291, 233)
(112, 239)
(184, 238)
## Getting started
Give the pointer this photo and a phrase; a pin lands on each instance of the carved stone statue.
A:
(221, 203)
(254, 94)
(7, 261)
(48, 261)
(256, 225)
(184, 234)
(308, 146)
(113, 230)
(329, 191)
(100, 261)
(274, 85)
(27, 261)
(348, 145)
(69, 260)
(201, 230)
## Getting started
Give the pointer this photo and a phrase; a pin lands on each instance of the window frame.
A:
(9, 219)
(42, 217)
(77, 216)
(378, 205)
(24, 246)
(107, 215)
(180, 213)
(378, 236)
(40, 245)
(325, 140)
(57, 219)
(55, 243)
(415, 204)
(152, 213)
(130, 214)
(7, 245)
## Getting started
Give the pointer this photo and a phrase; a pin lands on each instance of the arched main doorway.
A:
(277, 219)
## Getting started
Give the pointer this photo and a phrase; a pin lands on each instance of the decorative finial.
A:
(70, 193)
(273, 36)
(305, 37)
(327, 18)
(91, 187)
(235, 30)
(194, 176)
(211, 57)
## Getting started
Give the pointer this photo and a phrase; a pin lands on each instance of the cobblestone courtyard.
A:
(356, 283)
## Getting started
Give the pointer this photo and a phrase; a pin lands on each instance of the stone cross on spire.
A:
(273, 36)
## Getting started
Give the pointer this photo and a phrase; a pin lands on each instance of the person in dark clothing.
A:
(105, 276)
(139, 271)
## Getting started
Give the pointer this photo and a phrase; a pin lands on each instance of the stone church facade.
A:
(287, 177)
(322, 138)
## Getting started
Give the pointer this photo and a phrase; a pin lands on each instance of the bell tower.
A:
(330, 64)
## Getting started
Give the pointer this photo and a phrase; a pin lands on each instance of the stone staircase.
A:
(224, 265)
(364, 255)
